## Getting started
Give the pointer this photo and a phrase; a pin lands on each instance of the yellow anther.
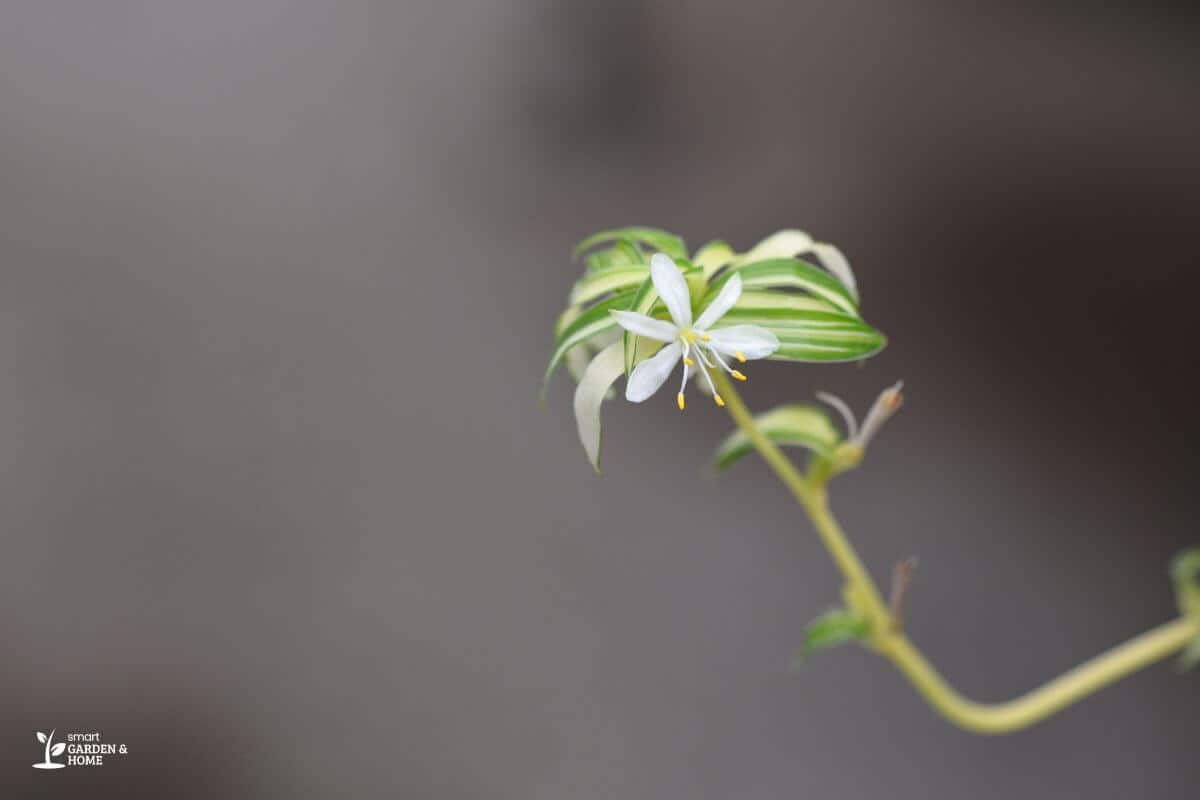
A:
(679, 400)
(737, 375)
(706, 338)
(738, 355)
(689, 362)
(718, 399)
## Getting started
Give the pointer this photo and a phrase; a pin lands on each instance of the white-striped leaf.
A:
(833, 260)
(792, 273)
(811, 336)
(594, 386)
(611, 279)
(713, 256)
(620, 254)
(592, 322)
(787, 243)
(793, 243)
(759, 299)
(654, 238)
(797, 425)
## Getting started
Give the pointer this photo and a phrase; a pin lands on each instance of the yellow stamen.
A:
(720, 402)
(689, 362)
(706, 338)
(737, 375)
(738, 355)
(679, 400)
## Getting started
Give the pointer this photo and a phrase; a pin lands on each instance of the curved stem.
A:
(1068, 688)
(1013, 715)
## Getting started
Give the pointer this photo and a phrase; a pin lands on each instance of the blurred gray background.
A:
(276, 286)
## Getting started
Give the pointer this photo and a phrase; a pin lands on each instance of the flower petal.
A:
(651, 373)
(749, 340)
(645, 326)
(672, 288)
(724, 301)
(600, 374)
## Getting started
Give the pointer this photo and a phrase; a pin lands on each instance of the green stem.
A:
(1048, 699)
(888, 641)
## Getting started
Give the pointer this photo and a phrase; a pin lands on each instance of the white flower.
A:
(685, 338)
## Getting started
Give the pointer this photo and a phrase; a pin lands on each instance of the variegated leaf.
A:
(797, 425)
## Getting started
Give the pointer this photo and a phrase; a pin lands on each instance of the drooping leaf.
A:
(594, 387)
(838, 265)
(791, 425)
(793, 243)
(786, 243)
(712, 257)
(792, 273)
(654, 238)
(597, 378)
(834, 627)
(592, 322)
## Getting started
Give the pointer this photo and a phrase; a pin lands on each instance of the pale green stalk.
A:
(888, 640)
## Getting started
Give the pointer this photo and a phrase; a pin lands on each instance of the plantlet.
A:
(643, 305)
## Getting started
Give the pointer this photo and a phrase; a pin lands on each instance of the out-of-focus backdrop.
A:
(276, 286)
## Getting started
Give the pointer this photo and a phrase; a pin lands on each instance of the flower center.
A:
(697, 342)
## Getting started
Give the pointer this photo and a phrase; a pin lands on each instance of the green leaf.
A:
(811, 336)
(657, 239)
(1185, 572)
(832, 628)
(792, 273)
(620, 254)
(835, 263)
(823, 326)
(760, 299)
(781, 244)
(791, 425)
(1191, 655)
(591, 322)
(1185, 567)
(712, 257)
(643, 301)
(611, 279)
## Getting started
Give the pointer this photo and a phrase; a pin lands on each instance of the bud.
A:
(849, 454)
